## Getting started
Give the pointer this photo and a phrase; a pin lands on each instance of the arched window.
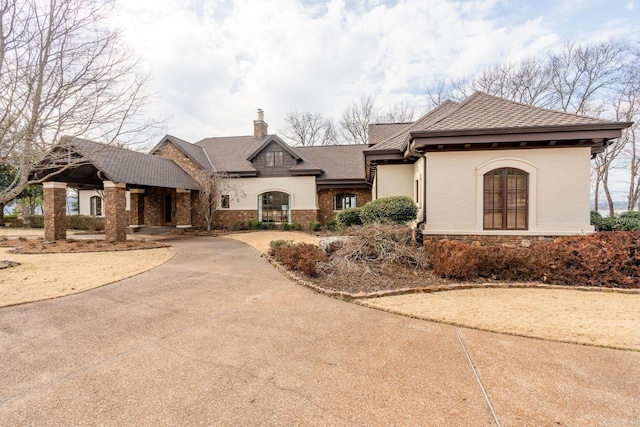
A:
(343, 201)
(95, 205)
(274, 206)
(506, 199)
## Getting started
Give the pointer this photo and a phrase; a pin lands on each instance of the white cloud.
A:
(215, 62)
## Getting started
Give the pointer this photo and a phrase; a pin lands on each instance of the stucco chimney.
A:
(259, 126)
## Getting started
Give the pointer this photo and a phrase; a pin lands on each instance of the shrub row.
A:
(74, 222)
(601, 259)
(626, 221)
(396, 209)
(302, 257)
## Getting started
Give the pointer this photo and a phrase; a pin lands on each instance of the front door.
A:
(168, 209)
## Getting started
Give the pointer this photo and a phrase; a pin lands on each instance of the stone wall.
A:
(325, 201)
(153, 202)
(225, 218)
(304, 217)
(197, 213)
(170, 151)
(486, 240)
(183, 208)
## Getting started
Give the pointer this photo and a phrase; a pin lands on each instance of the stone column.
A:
(115, 217)
(183, 208)
(136, 197)
(55, 210)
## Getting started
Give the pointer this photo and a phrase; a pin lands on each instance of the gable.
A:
(273, 160)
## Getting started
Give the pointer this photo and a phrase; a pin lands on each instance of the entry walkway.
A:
(217, 336)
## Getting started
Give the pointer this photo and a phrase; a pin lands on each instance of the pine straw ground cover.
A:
(380, 257)
(39, 246)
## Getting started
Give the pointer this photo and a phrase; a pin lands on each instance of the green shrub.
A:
(314, 226)
(276, 245)
(240, 225)
(16, 223)
(596, 218)
(269, 225)
(296, 226)
(349, 217)
(254, 224)
(285, 226)
(34, 221)
(397, 209)
(330, 225)
(10, 217)
(85, 222)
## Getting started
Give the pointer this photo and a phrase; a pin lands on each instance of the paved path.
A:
(218, 337)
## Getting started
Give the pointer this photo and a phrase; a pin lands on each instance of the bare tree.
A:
(217, 190)
(63, 72)
(402, 112)
(306, 129)
(355, 120)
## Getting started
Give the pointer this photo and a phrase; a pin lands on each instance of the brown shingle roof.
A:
(195, 153)
(132, 167)
(482, 111)
(339, 162)
(379, 132)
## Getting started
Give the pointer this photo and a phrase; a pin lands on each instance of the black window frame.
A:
(225, 201)
(95, 206)
(339, 201)
(505, 200)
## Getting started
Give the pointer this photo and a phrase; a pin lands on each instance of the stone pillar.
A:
(183, 208)
(115, 216)
(136, 199)
(55, 211)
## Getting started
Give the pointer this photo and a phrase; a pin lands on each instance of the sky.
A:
(213, 63)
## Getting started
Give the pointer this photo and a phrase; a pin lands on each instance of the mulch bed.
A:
(39, 246)
(388, 278)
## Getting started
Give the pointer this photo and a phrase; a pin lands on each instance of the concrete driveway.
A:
(218, 337)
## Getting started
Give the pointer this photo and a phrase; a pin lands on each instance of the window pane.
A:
(505, 199)
(270, 159)
(279, 158)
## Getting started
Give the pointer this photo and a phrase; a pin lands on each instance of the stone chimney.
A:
(259, 126)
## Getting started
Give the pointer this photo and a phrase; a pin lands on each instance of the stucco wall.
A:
(85, 207)
(301, 189)
(559, 190)
(393, 180)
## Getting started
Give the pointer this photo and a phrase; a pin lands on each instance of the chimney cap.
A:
(260, 114)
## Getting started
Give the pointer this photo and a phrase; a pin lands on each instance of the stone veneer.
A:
(226, 218)
(136, 207)
(171, 152)
(183, 208)
(55, 211)
(115, 218)
(490, 240)
(304, 217)
(325, 200)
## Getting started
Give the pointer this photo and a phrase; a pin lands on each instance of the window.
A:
(224, 203)
(344, 201)
(95, 205)
(274, 206)
(274, 158)
(506, 199)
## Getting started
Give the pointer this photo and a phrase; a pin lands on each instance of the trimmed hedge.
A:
(626, 221)
(397, 209)
(349, 217)
(600, 259)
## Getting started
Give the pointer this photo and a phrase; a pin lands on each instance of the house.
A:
(278, 183)
(491, 170)
(483, 169)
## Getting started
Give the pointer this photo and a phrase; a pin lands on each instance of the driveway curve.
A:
(216, 336)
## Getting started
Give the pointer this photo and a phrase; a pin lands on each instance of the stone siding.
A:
(488, 240)
(55, 211)
(153, 200)
(304, 217)
(171, 152)
(116, 218)
(183, 208)
(226, 218)
(325, 201)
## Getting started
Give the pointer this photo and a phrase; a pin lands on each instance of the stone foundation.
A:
(304, 217)
(226, 218)
(183, 208)
(489, 240)
(55, 211)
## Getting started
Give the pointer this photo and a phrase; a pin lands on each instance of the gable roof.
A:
(233, 154)
(193, 152)
(131, 167)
